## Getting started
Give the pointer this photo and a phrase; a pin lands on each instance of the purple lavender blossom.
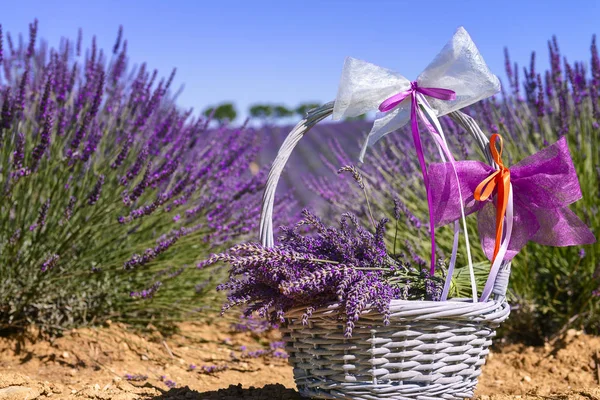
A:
(11, 46)
(19, 104)
(96, 192)
(508, 66)
(170, 80)
(252, 324)
(136, 377)
(41, 148)
(255, 353)
(541, 109)
(277, 345)
(280, 354)
(43, 107)
(140, 187)
(33, 27)
(78, 45)
(147, 293)
(401, 209)
(118, 42)
(1, 50)
(19, 153)
(150, 254)
(6, 113)
(42, 215)
(50, 262)
(212, 369)
(123, 153)
(89, 115)
(349, 265)
(69, 209)
(170, 384)
(137, 166)
(15, 237)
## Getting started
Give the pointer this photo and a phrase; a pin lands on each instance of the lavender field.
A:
(129, 224)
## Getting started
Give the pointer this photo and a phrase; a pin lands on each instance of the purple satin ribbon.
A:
(391, 103)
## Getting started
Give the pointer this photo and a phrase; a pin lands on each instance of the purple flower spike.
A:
(96, 192)
(45, 135)
(147, 293)
(1, 50)
(118, 42)
(50, 262)
(19, 153)
(6, 113)
(42, 215)
(136, 377)
(33, 28)
(170, 384)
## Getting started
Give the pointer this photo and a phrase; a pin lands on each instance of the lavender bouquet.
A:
(314, 267)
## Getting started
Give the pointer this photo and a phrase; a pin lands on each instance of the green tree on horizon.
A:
(223, 113)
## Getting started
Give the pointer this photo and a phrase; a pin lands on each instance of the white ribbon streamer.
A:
(489, 285)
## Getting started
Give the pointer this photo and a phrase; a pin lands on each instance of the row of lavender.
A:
(551, 288)
(109, 192)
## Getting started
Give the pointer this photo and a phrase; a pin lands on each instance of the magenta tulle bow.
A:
(543, 185)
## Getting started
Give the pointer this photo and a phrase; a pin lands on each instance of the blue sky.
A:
(293, 51)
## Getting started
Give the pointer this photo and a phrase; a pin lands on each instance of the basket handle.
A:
(316, 115)
(266, 216)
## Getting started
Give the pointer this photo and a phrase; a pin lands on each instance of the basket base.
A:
(412, 358)
(320, 389)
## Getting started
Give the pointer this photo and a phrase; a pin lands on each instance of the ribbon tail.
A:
(446, 290)
(489, 284)
(440, 139)
(414, 124)
(502, 201)
(386, 123)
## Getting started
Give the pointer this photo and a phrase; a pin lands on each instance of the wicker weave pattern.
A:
(430, 350)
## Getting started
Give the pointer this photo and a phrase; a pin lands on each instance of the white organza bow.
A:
(458, 67)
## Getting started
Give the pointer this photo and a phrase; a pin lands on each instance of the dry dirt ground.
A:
(96, 364)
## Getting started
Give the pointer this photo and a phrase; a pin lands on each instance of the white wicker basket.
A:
(430, 350)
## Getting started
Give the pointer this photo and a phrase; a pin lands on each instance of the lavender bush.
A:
(349, 265)
(109, 192)
(552, 288)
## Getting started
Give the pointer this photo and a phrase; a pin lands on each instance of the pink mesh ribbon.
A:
(544, 184)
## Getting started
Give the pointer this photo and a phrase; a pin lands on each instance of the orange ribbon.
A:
(501, 179)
